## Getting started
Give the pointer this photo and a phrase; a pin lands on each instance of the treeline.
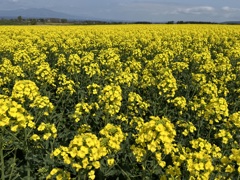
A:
(39, 21)
(146, 22)
(30, 21)
(191, 22)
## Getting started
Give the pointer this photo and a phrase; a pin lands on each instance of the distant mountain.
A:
(231, 22)
(37, 13)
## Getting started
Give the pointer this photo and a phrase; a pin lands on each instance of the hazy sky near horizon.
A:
(137, 10)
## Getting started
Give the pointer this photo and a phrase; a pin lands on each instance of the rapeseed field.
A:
(120, 101)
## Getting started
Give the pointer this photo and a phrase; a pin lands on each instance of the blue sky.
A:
(138, 10)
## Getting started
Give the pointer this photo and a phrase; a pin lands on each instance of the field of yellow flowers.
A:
(120, 102)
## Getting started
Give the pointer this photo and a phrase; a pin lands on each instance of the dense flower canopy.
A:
(156, 101)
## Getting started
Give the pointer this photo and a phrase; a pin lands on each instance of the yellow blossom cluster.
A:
(112, 137)
(109, 60)
(199, 160)
(59, 174)
(9, 72)
(45, 74)
(25, 90)
(136, 105)
(234, 118)
(235, 157)
(225, 135)
(91, 67)
(187, 125)
(74, 63)
(13, 115)
(127, 77)
(159, 74)
(83, 152)
(28, 57)
(111, 99)
(156, 136)
(13, 111)
(65, 85)
(180, 103)
(81, 109)
(48, 129)
(93, 89)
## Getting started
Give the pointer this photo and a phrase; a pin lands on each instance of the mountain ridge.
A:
(37, 13)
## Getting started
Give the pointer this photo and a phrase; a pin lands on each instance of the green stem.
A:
(28, 171)
(199, 127)
(128, 178)
(13, 165)
(78, 176)
(2, 157)
(209, 132)
(26, 156)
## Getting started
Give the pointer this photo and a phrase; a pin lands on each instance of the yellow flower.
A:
(59, 177)
(46, 136)
(76, 166)
(229, 169)
(53, 129)
(91, 175)
(35, 137)
(89, 142)
(209, 166)
(13, 112)
(41, 127)
(73, 152)
(31, 124)
(111, 161)
(4, 121)
(56, 152)
(82, 152)
(54, 171)
(66, 159)
(225, 160)
(96, 164)
(185, 132)
(159, 160)
(14, 128)
(152, 146)
(199, 166)
(85, 162)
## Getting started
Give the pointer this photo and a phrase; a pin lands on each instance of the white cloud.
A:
(149, 8)
(197, 10)
(230, 13)
(229, 9)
